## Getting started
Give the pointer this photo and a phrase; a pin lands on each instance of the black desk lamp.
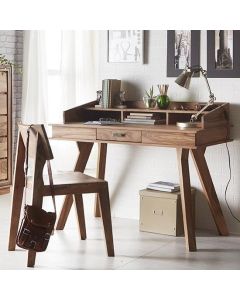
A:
(184, 80)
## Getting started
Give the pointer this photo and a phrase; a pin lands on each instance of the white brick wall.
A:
(11, 45)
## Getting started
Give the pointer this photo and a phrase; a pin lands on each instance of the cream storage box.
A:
(161, 212)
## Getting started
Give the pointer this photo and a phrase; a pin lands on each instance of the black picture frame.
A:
(212, 71)
(195, 52)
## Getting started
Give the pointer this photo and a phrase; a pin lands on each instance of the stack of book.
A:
(142, 118)
(110, 92)
(164, 186)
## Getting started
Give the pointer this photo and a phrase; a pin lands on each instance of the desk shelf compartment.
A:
(215, 115)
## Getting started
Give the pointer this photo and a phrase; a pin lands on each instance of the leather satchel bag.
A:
(36, 228)
(37, 224)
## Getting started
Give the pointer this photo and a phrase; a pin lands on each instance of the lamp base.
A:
(183, 125)
(120, 106)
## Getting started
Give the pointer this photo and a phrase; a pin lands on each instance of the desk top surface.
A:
(161, 128)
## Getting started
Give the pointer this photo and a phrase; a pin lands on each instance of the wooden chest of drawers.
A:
(5, 129)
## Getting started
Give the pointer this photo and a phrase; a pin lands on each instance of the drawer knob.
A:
(119, 134)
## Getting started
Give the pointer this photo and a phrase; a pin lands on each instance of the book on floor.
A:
(163, 189)
(164, 186)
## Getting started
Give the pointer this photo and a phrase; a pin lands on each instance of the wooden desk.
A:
(213, 128)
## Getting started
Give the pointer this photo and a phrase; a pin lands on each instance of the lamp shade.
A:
(184, 78)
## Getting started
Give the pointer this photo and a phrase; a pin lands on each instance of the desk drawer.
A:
(3, 147)
(3, 104)
(3, 82)
(3, 169)
(3, 125)
(121, 135)
(169, 138)
(74, 133)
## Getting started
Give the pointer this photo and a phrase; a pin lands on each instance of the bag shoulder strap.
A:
(51, 184)
(48, 168)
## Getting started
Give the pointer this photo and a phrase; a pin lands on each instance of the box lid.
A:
(160, 194)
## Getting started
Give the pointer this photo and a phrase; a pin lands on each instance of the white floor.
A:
(134, 250)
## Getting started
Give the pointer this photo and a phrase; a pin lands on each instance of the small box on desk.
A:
(161, 212)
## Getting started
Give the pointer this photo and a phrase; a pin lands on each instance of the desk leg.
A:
(18, 187)
(186, 199)
(101, 166)
(85, 150)
(209, 190)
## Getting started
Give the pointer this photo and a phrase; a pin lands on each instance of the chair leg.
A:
(80, 215)
(31, 258)
(64, 212)
(106, 218)
(37, 201)
(15, 216)
(18, 187)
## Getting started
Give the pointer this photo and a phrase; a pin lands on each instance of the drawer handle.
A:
(158, 212)
(119, 134)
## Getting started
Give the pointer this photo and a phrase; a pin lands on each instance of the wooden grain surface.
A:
(122, 135)
(6, 125)
(101, 167)
(3, 169)
(72, 132)
(3, 147)
(3, 104)
(3, 126)
(3, 82)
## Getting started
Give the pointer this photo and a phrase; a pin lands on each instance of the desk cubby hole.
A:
(95, 115)
(156, 114)
(173, 118)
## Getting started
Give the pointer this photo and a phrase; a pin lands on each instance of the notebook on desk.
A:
(102, 123)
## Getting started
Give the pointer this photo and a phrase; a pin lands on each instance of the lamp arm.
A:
(211, 95)
(211, 100)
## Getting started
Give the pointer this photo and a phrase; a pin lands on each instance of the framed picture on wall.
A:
(223, 53)
(183, 48)
(125, 46)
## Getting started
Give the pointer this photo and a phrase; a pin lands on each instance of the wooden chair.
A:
(65, 183)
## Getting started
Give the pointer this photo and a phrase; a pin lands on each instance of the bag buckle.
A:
(33, 244)
(47, 237)
(26, 231)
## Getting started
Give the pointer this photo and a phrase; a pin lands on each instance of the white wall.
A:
(130, 168)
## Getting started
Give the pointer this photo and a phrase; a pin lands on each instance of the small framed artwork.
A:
(183, 49)
(125, 46)
(223, 58)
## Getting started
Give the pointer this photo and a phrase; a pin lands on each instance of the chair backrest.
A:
(36, 132)
(39, 150)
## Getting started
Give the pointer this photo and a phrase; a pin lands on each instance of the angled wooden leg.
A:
(101, 166)
(186, 199)
(106, 218)
(209, 190)
(85, 150)
(80, 215)
(31, 258)
(67, 204)
(37, 191)
(18, 187)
